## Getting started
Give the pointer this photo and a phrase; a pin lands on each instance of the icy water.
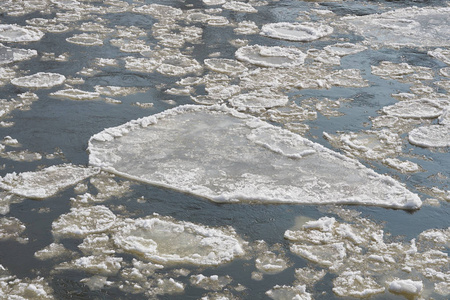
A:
(223, 149)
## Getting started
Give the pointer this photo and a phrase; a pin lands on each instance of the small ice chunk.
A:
(343, 49)
(11, 228)
(262, 98)
(86, 39)
(271, 56)
(441, 54)
(297, 32)
(47, 182)
(430, 136)
(166, 241)
(213, 282)
(285, 292)
(80, 222)
(406, 286)
(10, 55)
(51, 251)
(355, 285)
(96, 282)
(75, 94)
(224, 65)
(99, 265)
(240, 6)
(39, 80)
(17, 34)
(416, 109)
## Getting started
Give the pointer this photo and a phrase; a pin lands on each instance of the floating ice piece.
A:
(80, 222)
(51, 251)
(431, 136)
(263, 98)
(213, 282)
(329, 255)
(441, 54)
(11, 228)
(86, 39)
(17, 34)
(416, 109)
(240, 6)
(309, 276)
(406, 286)
(10, 55)
(402, 166)
(354, 285)
(343, 49)
(214, 2)
(12, 287)
(246, 27)
(298, 292)
(226, 156)
(412, 26)
(270, 262)
(166, 241)
(45, 183)
(271, 56)
(39, 80)
(98, 265)
(76, 94)
(224, 65)
(159, 11)
(297, 32)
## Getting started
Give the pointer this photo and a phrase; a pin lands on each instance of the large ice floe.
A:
(225, 156)
(45, 183)
(297, 32)
(412, 26)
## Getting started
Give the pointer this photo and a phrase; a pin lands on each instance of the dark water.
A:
(66, 125)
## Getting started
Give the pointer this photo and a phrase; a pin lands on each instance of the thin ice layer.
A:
(220, 154)
(45, 183)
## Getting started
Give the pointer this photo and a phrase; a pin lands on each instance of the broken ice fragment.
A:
(431, 136)
(300, 32)
(45, 183)
(39, 80)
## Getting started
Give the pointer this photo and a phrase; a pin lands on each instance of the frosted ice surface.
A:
(224, 65)
(167, 241)
(412, 26)
(431, 136)
(240, 6)
(343, 49)
(39, 80)
(416, 109)
(263, 98)
(17, 34)
(354, 285)
(45, 183)
(406, 286)
(80, 222)
(225, 156)
(271, 56)
(284, 292)
(441, 54)
(10, 55)
(11, 228)
(75, 94)
(297, 32)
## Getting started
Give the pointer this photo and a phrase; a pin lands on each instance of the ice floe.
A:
(406, 286)
(223, 65)
(441, 54)
(271, 56)
(45, 183)
(412, 26)
(343, 49)
(10, 55)
(12, 287)
(11, 229)
(431, 136)
(282, 292)
(416, 109)
(297, 32)
(263, 98)
(224, 161)
(213, 282)
(166, 241)
(39, 80)
(354, 285)
(18, 34)
(240, 6)
(86, 39)
(75, 94)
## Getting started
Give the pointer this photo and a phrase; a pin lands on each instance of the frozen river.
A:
(222, 149)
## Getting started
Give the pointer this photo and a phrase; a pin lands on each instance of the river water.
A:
(295, 149)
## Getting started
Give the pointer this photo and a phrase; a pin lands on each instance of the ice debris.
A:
(297, 32)
(271, 56)
(224, 161)
(45, 183)
(39, 80)
(12, 287)
(11, 229)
